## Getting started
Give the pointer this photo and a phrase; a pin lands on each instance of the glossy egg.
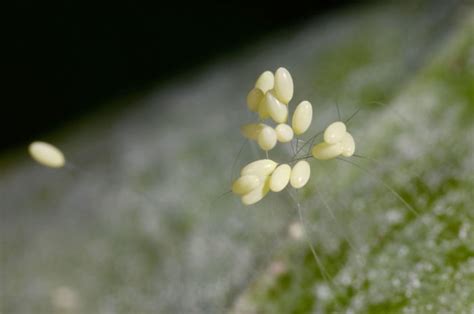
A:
(277, 111)
(302, 117)
(267, 138)
(257, 194)
(46, 154)
(348, 145)
(300, 174)
(334, 132)
(265, 81)
(261, 168)
(283, 85)
(284, 133)
(280, 178)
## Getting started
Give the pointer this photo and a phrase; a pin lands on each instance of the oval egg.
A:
(277, 110)
(284, 133)
(256, 194)
(280, 178)
(325, 151)
(302, 117)
(265, 81)
(348, 145)
(262, 167)
(46, 154)
(267, 138)
(283, 85)
(334, 132)
(300, 174)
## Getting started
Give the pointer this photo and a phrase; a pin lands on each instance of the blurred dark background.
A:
(71, 58)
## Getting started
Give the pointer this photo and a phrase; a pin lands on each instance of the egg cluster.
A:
(337, 141)
(264, 175)
(270, 99)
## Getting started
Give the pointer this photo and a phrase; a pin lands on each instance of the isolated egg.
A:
(283, 85)
(46, 154)
(300, 174)
(280, 178)
(245, 184)
(257, 194)
(262, 167)
(267, 138)
(284, 133)
(265, 81)
(302, 117)
(277, 110)
(324, 151)
(334, 132)
(253, 99)
(348, 145)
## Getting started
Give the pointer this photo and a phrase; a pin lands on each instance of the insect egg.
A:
(302, 117)
(265, 81)
(334, 132)
(257, 194)
(262, 167)
(283, 85)
(300, 174)
(284, 132)
(46, 154)
(348, 145)
(280, 178)
(277, 110)
(267, 138)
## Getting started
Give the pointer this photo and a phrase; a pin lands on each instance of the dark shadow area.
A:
(70, 58)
